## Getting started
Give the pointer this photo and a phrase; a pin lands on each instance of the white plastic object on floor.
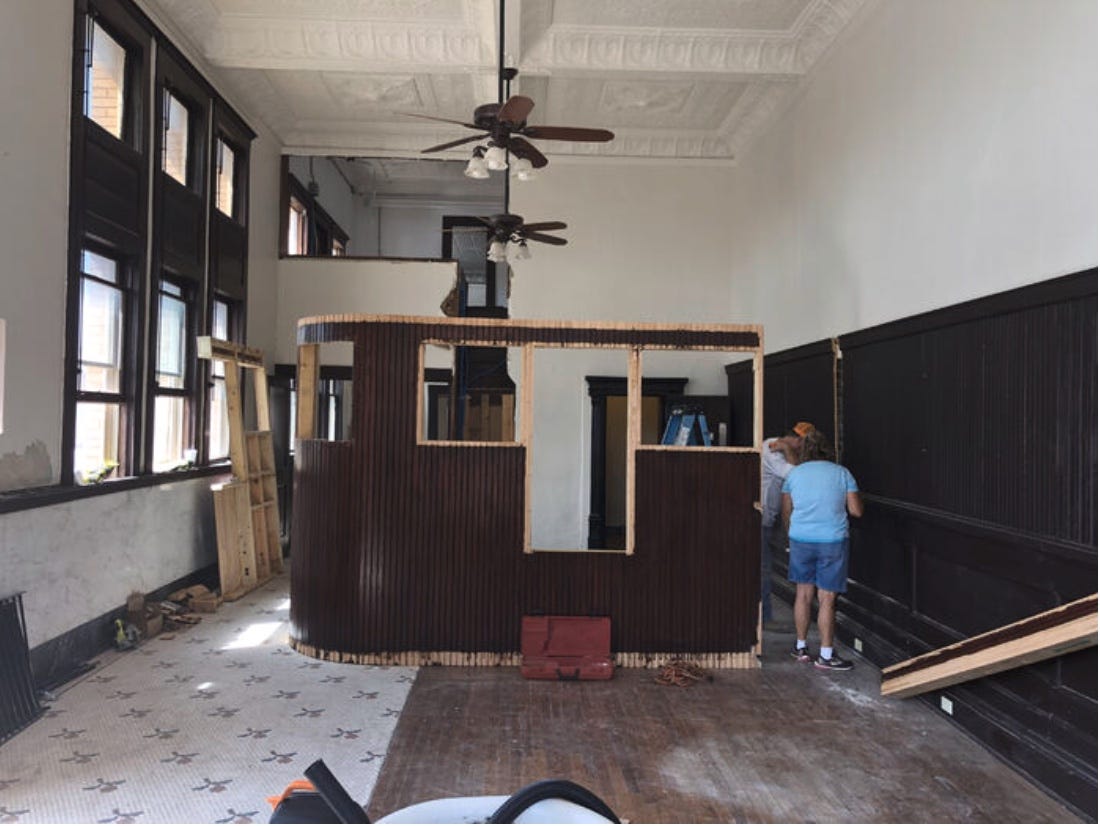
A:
(480, 809)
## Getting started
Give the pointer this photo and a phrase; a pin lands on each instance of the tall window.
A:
(105, 81)
(297, 237)
(157, 236)
(219, 409)
(227, 161)
(177, 138)
(100, 389)
(171, 444)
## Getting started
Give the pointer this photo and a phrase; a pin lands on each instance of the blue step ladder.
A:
(686, 426)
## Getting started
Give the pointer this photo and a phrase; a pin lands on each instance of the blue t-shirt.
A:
(819, 491)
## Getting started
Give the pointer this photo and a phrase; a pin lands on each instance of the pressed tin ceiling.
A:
(671, 78)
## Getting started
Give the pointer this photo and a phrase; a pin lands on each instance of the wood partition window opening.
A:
(483, 395)
(469, 395)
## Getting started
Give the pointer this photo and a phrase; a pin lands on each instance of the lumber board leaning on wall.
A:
(1050, 634)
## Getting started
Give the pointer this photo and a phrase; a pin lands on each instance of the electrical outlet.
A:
(857, 644)
(947, 705)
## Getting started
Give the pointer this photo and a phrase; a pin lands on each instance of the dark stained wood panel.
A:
(183, 242)
(992, 420)
(972, 432)
(113, 188)
(229, 255)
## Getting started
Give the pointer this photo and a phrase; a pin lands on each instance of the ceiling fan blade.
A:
(449, 144)
(545, 239)
(524, 149)
(543, 225)
(515, 109)
(568, 133)
(465, 229)
(441, 120)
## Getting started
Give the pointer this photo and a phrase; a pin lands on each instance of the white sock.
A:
(800, 644)
(826, 652)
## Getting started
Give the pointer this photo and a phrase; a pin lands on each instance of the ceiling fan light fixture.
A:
(522, 253)
(498, 254)
(523, 169)
(476, 167)
(496, 158)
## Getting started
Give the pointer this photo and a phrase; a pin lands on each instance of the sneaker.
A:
(801, 655)
(834, 663)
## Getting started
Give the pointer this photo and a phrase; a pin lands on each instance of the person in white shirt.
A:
(778, 456)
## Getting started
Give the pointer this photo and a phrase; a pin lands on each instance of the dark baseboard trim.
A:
(61, 659)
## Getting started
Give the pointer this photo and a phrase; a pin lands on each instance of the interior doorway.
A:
(607, 502)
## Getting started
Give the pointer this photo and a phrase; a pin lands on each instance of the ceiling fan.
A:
(508, 228)
(505, 125)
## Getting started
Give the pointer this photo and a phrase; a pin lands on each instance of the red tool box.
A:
(566, 648)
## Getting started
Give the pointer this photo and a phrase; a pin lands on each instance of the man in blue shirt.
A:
(818, 497)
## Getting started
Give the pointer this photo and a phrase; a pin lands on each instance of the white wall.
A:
(35, 42)
(415, 231)
(81, 559)
(324, 286)
(647, 242)
(944, 150)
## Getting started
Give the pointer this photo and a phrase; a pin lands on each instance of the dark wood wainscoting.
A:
(972, 432)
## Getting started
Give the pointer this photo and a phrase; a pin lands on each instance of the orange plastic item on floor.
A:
(300, 785)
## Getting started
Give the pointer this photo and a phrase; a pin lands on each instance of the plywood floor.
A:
(786, 743)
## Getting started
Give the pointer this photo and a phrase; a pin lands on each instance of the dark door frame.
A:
(599, 388)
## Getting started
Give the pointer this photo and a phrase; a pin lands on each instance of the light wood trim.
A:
(455, 443)
(586, 345)
(525, 323)
(622, 659)
(259, 390)
(216, 348)
(508, 417)
(633, 438)
(307, 391)
(698, 448)
(758, 396)
(619, 551)
(526, 429)
(238, 454)
(969, 664)
(420, 394)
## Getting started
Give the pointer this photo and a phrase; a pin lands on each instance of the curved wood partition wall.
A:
(410, 552)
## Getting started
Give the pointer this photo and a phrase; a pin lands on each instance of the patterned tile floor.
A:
(201, 725)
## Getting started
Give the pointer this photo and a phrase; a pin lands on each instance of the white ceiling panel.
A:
(747, 15)
(672, 78)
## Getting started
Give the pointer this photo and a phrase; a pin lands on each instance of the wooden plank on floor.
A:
(1061, 630)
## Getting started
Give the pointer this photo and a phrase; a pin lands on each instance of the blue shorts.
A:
(824, 564)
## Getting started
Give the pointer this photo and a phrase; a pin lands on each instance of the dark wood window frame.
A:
(189, 390)
(599, 388)
(129, 332)
(322, 229)
(117, 221)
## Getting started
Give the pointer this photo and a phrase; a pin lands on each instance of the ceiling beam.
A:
(303, 44)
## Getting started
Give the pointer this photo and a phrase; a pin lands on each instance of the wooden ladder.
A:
(246, 509)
